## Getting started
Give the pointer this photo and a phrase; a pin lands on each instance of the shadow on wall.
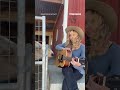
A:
(8, 59)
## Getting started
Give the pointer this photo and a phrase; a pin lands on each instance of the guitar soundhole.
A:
(61, 59)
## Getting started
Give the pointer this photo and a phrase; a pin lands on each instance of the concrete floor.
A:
(56, 77)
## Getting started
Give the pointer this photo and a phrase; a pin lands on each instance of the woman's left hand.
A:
(75, 63)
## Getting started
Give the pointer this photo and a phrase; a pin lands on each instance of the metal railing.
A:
(44, 61)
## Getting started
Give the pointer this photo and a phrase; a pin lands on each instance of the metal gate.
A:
(23, 53)
(41, 63)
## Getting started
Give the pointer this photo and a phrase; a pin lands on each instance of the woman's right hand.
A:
(68, 49)
(75, 63)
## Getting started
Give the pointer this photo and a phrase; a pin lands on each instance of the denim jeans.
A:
(71, 76)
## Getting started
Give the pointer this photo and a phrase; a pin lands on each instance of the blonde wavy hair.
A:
(75, 43)
(102, 33)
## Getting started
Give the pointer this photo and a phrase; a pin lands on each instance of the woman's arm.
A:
(115, 63)
(82, 55)
(60, 46)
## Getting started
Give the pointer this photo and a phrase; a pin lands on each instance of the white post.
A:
(65, 20)
(44, 55)
(44, 61)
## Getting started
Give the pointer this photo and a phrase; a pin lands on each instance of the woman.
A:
(75, 71)
(102, 54)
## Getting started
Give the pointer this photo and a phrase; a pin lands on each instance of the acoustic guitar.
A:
(64, 58)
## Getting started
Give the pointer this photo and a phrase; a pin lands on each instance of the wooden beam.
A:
(49, 30)
(54, 1)
(13, 17)
(48, 21)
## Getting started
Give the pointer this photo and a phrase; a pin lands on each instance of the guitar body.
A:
(62, 58)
